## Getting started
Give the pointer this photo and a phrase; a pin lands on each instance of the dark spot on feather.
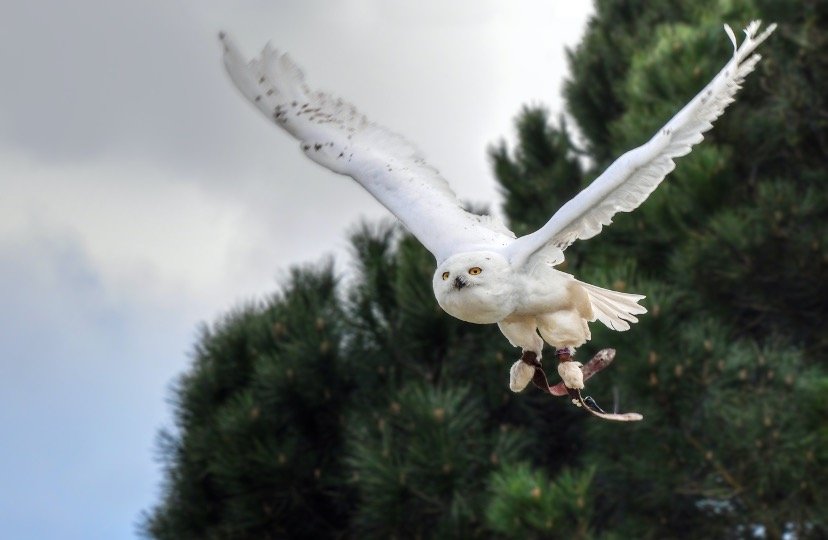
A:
(341, 154)
(270, 92)
(262, 80)
(305, 147)
(293, 104)
(317, 146)
(258, 98)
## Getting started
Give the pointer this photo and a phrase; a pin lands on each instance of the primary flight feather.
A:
(484, 273)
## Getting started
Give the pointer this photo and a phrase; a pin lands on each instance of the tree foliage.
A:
(358, 409)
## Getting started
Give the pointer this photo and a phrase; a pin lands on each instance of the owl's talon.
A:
(600, 361)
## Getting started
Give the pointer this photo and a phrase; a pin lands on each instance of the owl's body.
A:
(484, 273)
(531, 304)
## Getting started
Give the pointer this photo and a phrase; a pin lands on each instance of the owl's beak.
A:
(459, 283)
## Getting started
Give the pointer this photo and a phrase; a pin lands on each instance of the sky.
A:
(141, 197)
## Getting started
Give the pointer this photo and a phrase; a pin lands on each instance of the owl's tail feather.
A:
(615, 309)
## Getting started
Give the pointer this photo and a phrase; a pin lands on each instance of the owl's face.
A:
(475, 287)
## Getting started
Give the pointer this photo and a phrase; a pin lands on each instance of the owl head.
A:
(476, 287)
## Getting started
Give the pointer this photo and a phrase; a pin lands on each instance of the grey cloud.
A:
(94, 78)
(81, 395)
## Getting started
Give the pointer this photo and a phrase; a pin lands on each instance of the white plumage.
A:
(484, 273)
(519, 375)
(571, 374)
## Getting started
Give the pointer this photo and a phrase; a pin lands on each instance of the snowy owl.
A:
(484, 273)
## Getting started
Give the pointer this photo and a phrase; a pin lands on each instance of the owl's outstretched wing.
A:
(632, 177)
(335, 135)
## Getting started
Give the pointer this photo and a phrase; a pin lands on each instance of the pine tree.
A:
(261, 423)
(359, 409)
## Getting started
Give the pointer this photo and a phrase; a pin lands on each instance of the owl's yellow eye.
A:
(445, 276)
(475, 270)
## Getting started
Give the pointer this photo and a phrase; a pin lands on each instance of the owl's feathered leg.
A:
(522, 332)
(571, 373)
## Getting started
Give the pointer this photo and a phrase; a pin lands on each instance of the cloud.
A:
(96, 78)
(81, 394)
(145, 233)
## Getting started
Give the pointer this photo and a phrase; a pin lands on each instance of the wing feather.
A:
(632, 177)
(336, 135)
